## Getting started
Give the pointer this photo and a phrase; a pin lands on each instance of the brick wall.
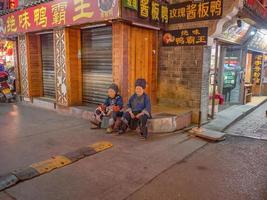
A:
(180, 76)
(184, 71)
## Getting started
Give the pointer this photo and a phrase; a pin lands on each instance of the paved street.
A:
(253, 125)
(164, 167)
(30, 134)
(233, 169)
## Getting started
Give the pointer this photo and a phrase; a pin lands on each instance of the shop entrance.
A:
(96, 64)
(231, 80)
(48, 70)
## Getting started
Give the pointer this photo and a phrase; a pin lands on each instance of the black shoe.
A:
(123, 128)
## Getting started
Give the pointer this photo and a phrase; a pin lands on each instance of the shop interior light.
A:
(146, 26)
(252, 33)
(94, 26)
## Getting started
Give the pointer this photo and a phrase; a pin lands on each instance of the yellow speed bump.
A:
(61, 161)
(50, 164)
(45, 166)
(101, 146)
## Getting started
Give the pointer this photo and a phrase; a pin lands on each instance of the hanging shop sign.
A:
(257, 64)
(58, 13)
(190, 11)
(151, 10)
(185, 37)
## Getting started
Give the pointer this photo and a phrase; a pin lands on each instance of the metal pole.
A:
(215, 80)
(199, 119)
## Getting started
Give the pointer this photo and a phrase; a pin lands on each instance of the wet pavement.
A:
(166, 167)
(235, 169)
(29, 134)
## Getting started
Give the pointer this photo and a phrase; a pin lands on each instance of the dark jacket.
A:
(117, 101)
(139, 104)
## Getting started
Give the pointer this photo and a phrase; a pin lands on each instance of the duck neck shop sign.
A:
(58, 13)
(186, 37)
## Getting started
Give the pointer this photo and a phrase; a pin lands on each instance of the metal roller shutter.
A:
(48, 65)
(96, 63)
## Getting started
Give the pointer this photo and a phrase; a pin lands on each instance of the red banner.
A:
(58, 13)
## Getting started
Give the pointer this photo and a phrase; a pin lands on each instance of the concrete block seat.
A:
(165, 119)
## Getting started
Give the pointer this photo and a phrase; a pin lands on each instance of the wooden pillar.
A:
(35, 76)
(120, 49)
(67, 47)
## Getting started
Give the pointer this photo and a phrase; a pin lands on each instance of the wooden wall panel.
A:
(34, 65)
(143, 47)
(74, 70)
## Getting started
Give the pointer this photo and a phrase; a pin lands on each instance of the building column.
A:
(120, 39)
(67, 48)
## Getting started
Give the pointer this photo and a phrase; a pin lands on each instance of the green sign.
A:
(132, 4)
(229, 79)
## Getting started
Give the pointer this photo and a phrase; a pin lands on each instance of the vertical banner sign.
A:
(164, 14)
(144, 9)
(186, 37)
(155, 11)
(190, 11)
(257, 69)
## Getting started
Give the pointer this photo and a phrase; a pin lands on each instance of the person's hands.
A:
(139, 115)
(132, 115)
(116, 108)
(109, 113)
(102, 107)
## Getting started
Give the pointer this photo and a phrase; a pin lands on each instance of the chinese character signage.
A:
(144, 8)
(151, 10)
(58, 13)
(186, 37)
(190, 11)
(257, 69)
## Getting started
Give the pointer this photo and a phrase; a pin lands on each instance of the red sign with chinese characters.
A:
(58, 13)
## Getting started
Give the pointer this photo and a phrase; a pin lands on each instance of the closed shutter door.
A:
(48, 65)
(96, 64)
